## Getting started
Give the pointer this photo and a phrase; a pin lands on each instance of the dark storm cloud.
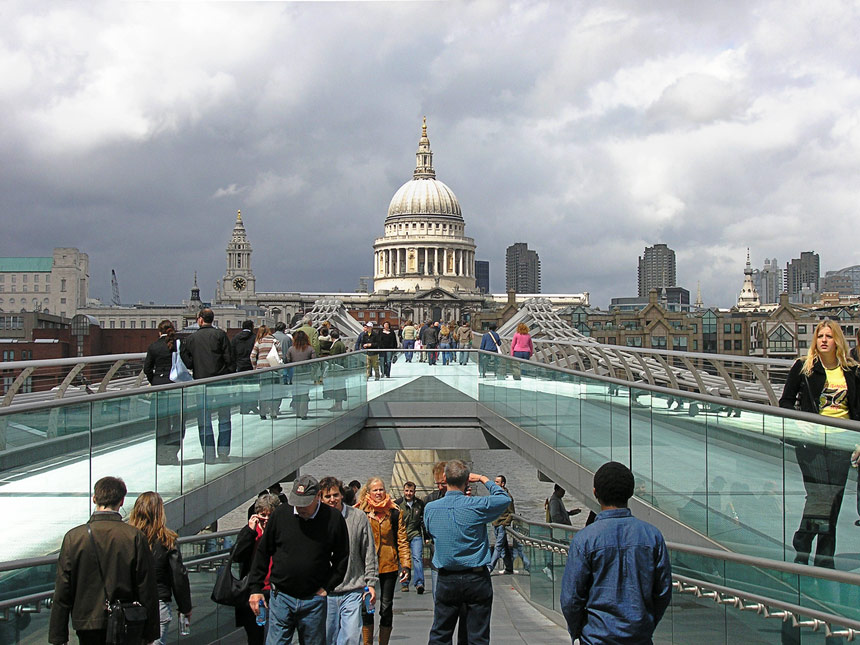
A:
(136, 132)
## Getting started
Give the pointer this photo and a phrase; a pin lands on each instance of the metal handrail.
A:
(17, 603)
(735, 597)
(822, 573)
(749, 406)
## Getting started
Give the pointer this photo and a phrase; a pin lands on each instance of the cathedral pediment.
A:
(437, 293)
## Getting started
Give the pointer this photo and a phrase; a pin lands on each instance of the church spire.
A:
(424, 156)
(748, 300)
(195, 290)
(699, 304)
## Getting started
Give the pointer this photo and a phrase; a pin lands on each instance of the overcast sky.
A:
(134, 131)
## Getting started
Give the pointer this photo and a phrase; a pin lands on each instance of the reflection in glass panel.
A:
(817, 466)
(640, 446)
(596, 423)
(618, 402)
(567, 406)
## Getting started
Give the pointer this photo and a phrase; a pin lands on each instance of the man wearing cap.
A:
(307, 546)
(369, 339)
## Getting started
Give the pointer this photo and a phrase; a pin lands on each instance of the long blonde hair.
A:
(364, 502)
(148, 516)
(842, 354)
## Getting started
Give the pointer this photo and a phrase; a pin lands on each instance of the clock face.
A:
(239, 284)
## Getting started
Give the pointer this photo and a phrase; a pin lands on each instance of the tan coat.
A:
(387, 551)
(463, 335)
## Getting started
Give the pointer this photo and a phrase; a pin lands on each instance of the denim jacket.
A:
(618, 581)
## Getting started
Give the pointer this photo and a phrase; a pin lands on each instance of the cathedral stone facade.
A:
(423, 265)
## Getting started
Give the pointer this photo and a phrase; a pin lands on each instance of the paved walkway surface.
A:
(514, 620)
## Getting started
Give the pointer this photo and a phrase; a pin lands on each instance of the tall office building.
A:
(769, 281)
(482, 275)
(656, 269)
(801, 277)
(522, 269)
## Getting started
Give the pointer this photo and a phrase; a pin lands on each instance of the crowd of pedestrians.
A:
(322, 568)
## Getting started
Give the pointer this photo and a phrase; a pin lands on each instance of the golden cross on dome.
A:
(424, 128)
(238, 216)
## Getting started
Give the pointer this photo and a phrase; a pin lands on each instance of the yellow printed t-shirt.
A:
(834, 396)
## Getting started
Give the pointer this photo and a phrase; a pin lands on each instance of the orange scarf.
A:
(380, 508)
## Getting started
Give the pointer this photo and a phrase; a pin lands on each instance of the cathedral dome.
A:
(424, 197)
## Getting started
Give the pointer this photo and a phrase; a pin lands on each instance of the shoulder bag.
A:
(273, 358)
(178, 372)
(125, 620)
(229, 590)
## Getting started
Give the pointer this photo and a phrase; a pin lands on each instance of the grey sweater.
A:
(363, 567)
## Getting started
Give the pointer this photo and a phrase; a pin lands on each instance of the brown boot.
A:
(367, 635)
(384, 635)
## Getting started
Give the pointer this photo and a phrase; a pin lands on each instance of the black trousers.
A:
(385, 592)
(467, 595)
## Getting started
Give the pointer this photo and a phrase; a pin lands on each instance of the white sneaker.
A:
(548, 573)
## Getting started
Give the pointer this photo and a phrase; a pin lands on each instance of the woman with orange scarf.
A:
(392, 550)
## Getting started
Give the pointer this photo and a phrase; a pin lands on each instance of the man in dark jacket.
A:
(122, 557)
(369, 339)
(412, 513)
(429, 340)
(242, 344)
(305, 551)
(207, 352)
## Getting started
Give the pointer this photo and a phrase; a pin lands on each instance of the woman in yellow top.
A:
(826, 383)
(392, 550)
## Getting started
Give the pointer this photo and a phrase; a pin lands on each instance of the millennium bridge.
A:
(712, 455)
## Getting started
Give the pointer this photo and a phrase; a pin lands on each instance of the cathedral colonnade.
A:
(424, 261)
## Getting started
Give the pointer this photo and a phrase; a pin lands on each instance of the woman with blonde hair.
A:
(825, 383)
(521, 347)
(445, 344)
(171, 576)
(392, 551)
(259, 359)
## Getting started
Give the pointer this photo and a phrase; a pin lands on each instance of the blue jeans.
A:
(517, 550)
(288, 614)
(343, 618)
(416, 546)
(207, 436)
(446, 355)
(502, 550)
(164, 617)
(467, 595)
(408, 344)
(464, 356)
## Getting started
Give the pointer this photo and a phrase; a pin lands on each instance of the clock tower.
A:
(238, 283)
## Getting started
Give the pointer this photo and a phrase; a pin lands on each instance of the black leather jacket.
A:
(171, 577)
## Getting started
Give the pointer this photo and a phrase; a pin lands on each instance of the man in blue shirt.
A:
(618, 582)
(458, 525)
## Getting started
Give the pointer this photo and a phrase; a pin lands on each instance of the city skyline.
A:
(135, 132)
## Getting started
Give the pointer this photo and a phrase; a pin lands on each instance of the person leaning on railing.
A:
(169, 432)
(826, 383)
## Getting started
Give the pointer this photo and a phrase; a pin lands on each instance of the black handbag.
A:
(229, 590)
(125, 620)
